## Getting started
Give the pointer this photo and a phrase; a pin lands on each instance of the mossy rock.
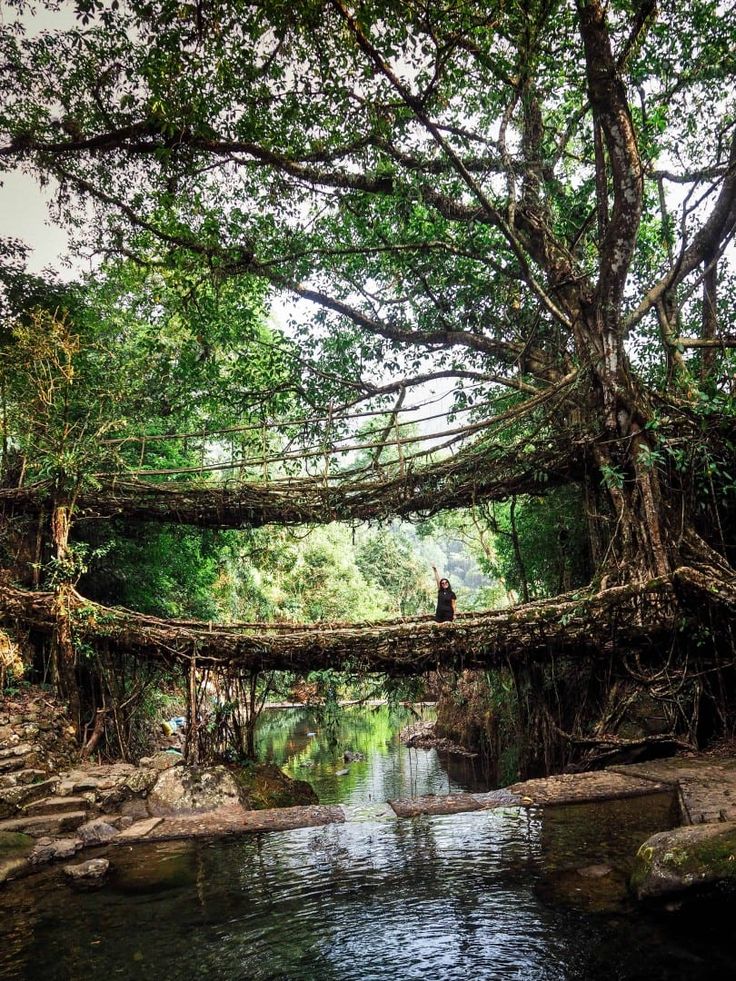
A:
(140, 782)
(14, 850)
(685, 859)
(13, 841)
(263, 785)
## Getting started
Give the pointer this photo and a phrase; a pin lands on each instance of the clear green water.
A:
(495, 894)
(482, 895)
(310, 748)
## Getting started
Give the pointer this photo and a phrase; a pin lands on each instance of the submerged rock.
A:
(584, 889)
(594, 871)
(684, 859)
(88, 873)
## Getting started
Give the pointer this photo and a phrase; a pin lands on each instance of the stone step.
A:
(76, 784)
(56, 805)
(24, 777)
(13, 798)
(21, 749)
(45, 824)
(19, 778)
(18, 761)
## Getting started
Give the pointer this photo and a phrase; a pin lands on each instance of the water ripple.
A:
(447, 897)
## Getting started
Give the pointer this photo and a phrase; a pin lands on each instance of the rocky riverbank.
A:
(50, 811)
(52, 805)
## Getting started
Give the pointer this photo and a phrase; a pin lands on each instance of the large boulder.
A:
(192, 789)
(684, 859)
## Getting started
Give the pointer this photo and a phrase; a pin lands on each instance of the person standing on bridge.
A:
(446, 599)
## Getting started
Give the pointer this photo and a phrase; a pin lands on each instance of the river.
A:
(494, 894)
(310, 746)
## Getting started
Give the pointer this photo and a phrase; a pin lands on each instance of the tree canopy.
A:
(531, 204)
(504, 195)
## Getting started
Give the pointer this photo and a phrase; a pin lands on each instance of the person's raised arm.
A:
(436, 576)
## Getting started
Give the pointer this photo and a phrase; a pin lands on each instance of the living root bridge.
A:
(635, 615)
(474, 475)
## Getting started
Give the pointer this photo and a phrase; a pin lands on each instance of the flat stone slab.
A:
(232, 819)
(139, 829)
(581, 788)
(707, 787)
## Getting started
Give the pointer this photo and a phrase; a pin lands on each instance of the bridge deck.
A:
(586, 623)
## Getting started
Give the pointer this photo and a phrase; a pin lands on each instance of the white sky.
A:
(24, 214)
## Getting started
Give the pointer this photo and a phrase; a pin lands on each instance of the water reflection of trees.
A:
(310, 749)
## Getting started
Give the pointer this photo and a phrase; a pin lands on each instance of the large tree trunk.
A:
(639, 543)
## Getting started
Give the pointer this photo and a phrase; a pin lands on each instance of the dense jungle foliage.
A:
(304, 221)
